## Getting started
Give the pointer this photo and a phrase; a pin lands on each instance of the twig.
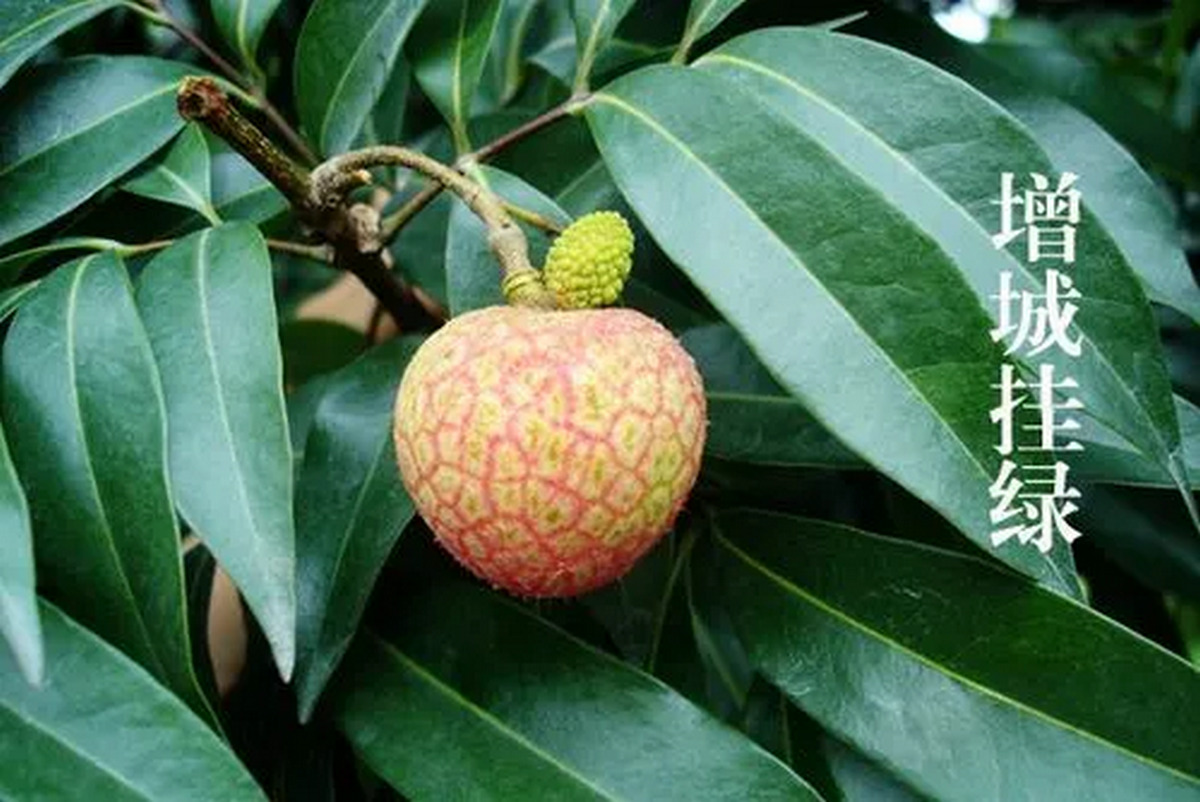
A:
(159, 14)
(398, 219)
(319, 253)
(393, 223)
(533, 218)
(351, 230)
(522, 283)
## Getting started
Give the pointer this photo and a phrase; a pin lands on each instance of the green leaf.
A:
(180, 177)
(817, 80)
(703, 18)
(313, 347)
(26, 27)
(240, 192)
(447, 53)
(472, 696)
(210, 313)
(242, 24)
(1123, 197)
(84, 413)
(72, 127)
(350, 509)
(504, 68)
(18, 599)
(472, 272)
(101, 728)
(900, 649)
(822, 295)
(12, 298)
(12, 264)
(345, 53)
(595, 23)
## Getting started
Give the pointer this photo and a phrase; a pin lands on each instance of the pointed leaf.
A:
(346, 52)
(101, 728)
(350, 509)
(84, 413)
(27, 27)
(242, 24)
(906, 648)
(703, 18)
(18, 599)
(1119, 192)
(210, 313)
(471, 696)
(447, 53)
(180, 176)
(472, 272)
(72, 127)
(779, 246)
(817, 80)
(595, 23)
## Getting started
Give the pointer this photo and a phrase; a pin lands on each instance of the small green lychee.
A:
(549, 450)
(588, 264)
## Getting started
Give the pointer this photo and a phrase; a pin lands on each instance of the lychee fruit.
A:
(587, 265)
(549, 450)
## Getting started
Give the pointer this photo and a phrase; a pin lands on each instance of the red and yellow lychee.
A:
(549, 450)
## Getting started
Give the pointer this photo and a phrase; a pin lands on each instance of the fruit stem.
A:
(522, 282)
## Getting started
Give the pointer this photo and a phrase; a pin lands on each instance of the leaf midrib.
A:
(41, 21)
(835, 303)
(488, 717)
(956, 208)
(98, 122)
(789, 586)
(222, 412)
(335, 97)
(93, 485)
(73, 748)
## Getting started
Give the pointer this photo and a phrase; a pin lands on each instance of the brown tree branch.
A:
(351, 230)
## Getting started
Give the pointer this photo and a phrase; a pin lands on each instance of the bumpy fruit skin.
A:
(549, 450)
(587, 265)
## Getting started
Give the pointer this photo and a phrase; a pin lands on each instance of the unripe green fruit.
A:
(588, 264)
(549, 450)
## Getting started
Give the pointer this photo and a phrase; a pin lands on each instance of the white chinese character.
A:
(1044, 318)
(1010, 402)
(1041, 205)
(1049, 424)
(1045, 513)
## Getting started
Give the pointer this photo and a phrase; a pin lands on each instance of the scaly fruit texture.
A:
(549, 450)
(587, 265)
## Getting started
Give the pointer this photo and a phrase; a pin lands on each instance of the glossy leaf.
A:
(504, 68)
(72, 127)
(703, 17)
(891, 352)
(350, 509)
(472, 273)
(901, 649)
(101, 728)
(242, 24)
(12, 298)
(210, 313)
(181, 176)
(240, 192)
(595, 23)
(28, 26)
(83, 410)
(18, 598)
(346, 52)
(816, 80)
(12, 264)
(447, 53)
(472, 696)
(1123, 197)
